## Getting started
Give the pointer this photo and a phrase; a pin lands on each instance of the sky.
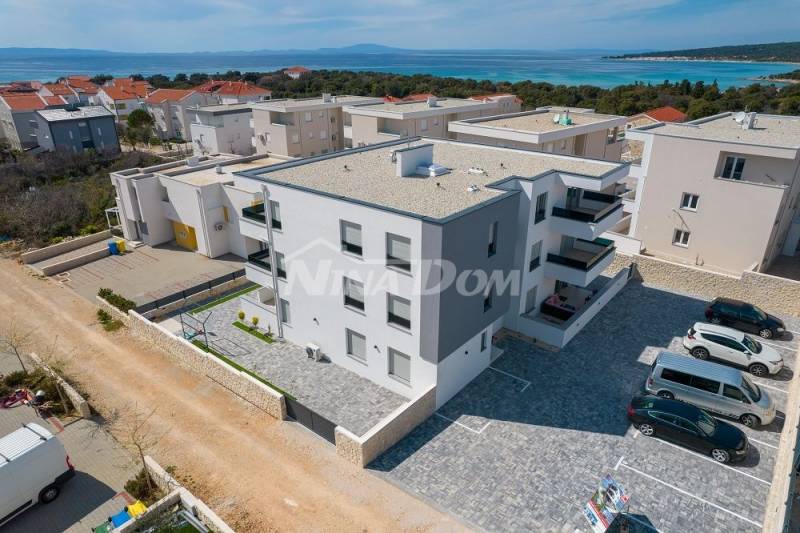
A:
(220, 25)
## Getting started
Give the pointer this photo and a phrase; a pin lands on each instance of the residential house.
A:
(720, 192)
(304, 127)
(123, 95)
(170, 111)
(222, 128)
(378, 256)
(556, 130)
(57, 89)
(506, 102)
(84, 87)
(295, 72)
(76, 129)
(633, 151)
(193, 203)
(234, 92)
(18, 117)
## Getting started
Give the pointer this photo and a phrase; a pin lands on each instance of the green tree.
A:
(139, 118)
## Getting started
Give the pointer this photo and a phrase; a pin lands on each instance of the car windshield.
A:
(706, 424)
(752, 345)
(751, 389)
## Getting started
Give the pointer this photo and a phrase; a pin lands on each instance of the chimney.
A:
(326, 98)
(408, 159)
(431, 101)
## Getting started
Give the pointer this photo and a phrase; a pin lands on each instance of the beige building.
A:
(303, 127)
(555, 130)
(720, 192)
(385, 121)
(171, 111)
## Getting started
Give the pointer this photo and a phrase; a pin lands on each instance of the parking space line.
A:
(698, 498)
(762, 443)
(771, 387)
(476, 431)
(710, 460)
(616, 466)
(787, 348)
(525, 381)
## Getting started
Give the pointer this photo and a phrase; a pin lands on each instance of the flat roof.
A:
(368, 175)
(543, 120)
(201, 170)
(55, 115)
(224, 108)
(299, 104)
(781, 131)
(400, 109)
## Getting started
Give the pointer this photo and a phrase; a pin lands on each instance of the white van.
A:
(33, 466)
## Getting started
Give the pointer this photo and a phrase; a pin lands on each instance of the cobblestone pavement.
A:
(339, 395)
(524, 445)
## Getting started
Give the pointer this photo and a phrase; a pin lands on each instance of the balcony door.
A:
(530, 301)
(573, 197)
(567, 244)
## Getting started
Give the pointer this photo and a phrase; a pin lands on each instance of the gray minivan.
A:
(716, 388)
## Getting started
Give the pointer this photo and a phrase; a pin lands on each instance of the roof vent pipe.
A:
(219, 169)
(431, 101)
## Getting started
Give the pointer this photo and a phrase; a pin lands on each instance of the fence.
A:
(198, 292)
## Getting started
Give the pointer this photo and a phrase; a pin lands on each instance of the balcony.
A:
(595, 214)
(255, 213)
(581, 262)
(258, 268)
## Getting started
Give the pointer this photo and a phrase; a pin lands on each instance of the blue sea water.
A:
(569, 68)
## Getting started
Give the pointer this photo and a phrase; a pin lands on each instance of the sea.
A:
(568, 68)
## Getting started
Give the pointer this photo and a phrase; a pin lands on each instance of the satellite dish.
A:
(556, 118)
(739, 117)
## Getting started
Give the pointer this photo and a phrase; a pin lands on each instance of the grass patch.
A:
(240, 368)
(222, 300)
(254, 332)
(109, 323)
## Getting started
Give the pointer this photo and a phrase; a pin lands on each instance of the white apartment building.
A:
(223, 128)
(359, 250)
(552, 129)
(170, 109)
(193, 203)
(383, 121)
(303, 127)
(720, 192)
(506, 102)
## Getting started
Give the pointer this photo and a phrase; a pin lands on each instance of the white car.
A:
(732, 346)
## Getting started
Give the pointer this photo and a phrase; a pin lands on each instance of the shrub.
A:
(241, 315)
(109, 323)
(103, 316)
(254, 320)
(120, 302)
(139, 488)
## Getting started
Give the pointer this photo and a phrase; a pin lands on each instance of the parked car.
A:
(732, 346)
(745, 317)
(33, 467)
(716, 388)
(688, 425)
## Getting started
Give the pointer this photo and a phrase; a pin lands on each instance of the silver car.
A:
(716, 388)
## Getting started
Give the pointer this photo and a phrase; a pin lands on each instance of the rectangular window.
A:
(286, 314)
(399, 311)
(483, 341)
(280, 264)
(310, 134)
(353, 294)
(492, 239)
(398, 252)
(488, 298)
(269, 137)
(675, 376)
(729, 391)
(309, 117)
(295, 138)
(536, 256)
(323, 134)
(322, 114)
(681, 238)
(356, 345)
(541, 208)
(704, 384)
(275, 212)
(423, 124)
(689, 201)
(733, 168)
(435, 121)
(399, 366)
(351, 237)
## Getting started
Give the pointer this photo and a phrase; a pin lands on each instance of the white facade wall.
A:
(225, 133)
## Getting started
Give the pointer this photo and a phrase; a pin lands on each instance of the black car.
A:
(688, 425)
(744, 317)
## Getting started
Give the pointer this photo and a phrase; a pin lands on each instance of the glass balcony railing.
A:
(583, 254)
(260, 259)
(593, 208)
(256, 213)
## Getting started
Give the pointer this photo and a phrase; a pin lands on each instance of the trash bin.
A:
(121, 245)
(112, 248)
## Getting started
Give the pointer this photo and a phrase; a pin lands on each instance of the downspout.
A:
(272, 263)
(203, 222)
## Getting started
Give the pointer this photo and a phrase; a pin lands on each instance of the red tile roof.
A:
(210, 86)
(81, 84)
(172, 95)
(667, 114)
(297, 69)
(138, 87)
(58, 89)
(119, 93)
(482, 97)
(24, 102)
(241, 88)
(54, 100)
(417, 97)
(15, 88)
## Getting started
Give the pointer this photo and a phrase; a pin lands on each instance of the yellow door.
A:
(185, 236)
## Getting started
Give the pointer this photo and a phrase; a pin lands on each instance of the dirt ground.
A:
(257, 473)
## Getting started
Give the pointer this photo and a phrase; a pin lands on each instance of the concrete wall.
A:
(317, 131)
(230, 133)
(34, 256)
(774, 294)
(73, 262)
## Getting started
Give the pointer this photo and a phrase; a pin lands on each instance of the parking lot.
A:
(525, 444)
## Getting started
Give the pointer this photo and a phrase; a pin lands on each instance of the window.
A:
(733, 168)
(280, 264)
(398, 252)
(164, 194)
(681, 238)
(399, 311)
(295, 138)
(269, 137)
(356, 345)
(734, 393)
(122, 106)
(310, 134)
(689, 201)
(423, 124)
(286, 314)
(488, 298)
(663, 417)
(353, 294)
(541, 208)
(530, 300)
(275, 212)
(686, 425)
(483, 341)
(704, 384)
(675, 376)
(351, 237)
(436, 121)
(399, 366)
(492, 239)
(536, 256)
(308, 116)
(323, 134)
(322, 114)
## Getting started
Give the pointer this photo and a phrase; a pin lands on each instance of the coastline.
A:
(700, 60)
(774, 80)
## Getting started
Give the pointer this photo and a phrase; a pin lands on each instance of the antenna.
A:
(556, 118)
(739, 117)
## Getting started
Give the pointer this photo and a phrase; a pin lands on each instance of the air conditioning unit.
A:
(313, 351)
(218, 226)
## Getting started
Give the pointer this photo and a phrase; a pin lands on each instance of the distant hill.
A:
(82, 52)
(771, 52)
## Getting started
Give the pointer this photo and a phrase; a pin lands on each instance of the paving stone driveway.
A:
(524, 445)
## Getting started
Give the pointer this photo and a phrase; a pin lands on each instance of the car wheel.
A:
(720, 456)
(757, 369)
(766, 333)
(750, 421)
(647, 430)
(716, 320)
(49, 494)
(666, 394)
(700, 352)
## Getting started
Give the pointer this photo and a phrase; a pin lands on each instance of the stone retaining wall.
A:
(774, 294)
(364, 449)
(78, 402)
(34, 256)
(195, 359)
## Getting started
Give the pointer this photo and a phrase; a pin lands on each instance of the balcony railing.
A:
(256, 212)
(260, 259)
(589, 214)
(584, 254)
(556, 312)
